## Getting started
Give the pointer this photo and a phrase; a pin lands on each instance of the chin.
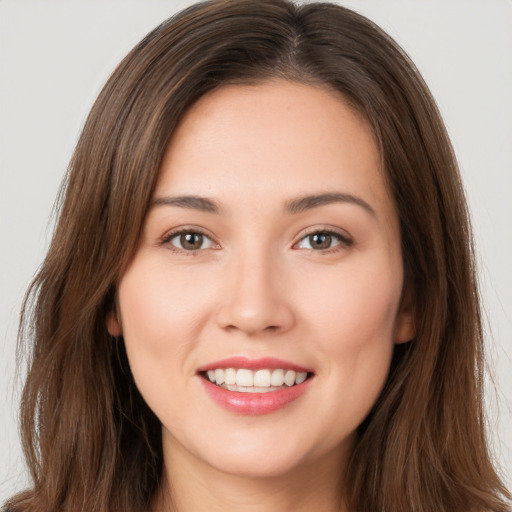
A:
(260, 466)
(261, 457)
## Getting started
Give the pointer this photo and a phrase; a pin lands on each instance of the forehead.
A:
(275, 139)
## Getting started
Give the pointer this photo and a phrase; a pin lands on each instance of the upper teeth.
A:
(258, 378)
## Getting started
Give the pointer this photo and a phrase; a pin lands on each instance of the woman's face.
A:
(271, 250)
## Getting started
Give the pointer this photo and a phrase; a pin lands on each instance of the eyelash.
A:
(166, 240)
(343, 241)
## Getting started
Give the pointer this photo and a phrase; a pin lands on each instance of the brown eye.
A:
(190, 241)
(323, 240)
(320, 241)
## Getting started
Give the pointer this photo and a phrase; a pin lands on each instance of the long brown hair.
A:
(90, 441)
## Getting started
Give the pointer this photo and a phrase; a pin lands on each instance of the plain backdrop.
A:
(55, 56)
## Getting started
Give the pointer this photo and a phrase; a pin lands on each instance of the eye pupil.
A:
(320, 241)
(191, 241)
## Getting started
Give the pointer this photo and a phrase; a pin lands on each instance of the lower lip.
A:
(254, 403)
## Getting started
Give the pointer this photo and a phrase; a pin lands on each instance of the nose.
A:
(254, 298)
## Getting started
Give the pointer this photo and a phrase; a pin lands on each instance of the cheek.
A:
(145, 312)
(355, 305)
(155, 319)
(158, 306)
(352, 317)
(163, 313)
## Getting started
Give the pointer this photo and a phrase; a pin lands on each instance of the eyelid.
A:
(169, 235)
(345, 240)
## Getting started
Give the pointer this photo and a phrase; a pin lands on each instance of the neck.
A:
(190, 484)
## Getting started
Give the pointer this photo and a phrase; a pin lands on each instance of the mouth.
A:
(249, 386)
(263, 380)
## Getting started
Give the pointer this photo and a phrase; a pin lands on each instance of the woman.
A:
(260, 292)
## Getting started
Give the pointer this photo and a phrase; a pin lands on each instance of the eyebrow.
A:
(203, 204)
(314, 201)
(293, 206)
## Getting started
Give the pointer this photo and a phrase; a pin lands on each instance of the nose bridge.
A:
(253, 300)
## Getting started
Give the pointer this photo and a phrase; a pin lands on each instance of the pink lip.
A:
(254, 403)
(270, 363)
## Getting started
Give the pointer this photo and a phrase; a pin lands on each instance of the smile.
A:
(259, 381)
(248, 386)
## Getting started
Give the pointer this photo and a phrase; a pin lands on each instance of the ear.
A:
(113, 324)
(405, 325)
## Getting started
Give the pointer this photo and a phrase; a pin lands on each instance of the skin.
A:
(257, 288)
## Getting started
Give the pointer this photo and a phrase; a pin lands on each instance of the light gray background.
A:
(55, 56)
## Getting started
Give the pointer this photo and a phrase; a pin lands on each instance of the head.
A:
(432, 380)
